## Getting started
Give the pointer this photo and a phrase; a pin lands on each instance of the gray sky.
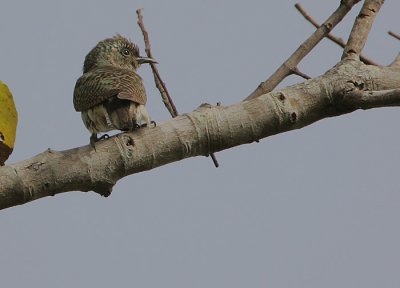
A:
(316, 207)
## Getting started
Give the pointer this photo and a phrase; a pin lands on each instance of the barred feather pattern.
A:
(105, 83)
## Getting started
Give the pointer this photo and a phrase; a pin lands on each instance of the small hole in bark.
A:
(293, 116)
(129, 142)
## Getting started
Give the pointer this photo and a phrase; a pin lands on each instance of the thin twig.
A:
(285, 69)
(157, 78)
(297, 72)
(395, 35)
(330, 36)
(159, 83)
(361, 28)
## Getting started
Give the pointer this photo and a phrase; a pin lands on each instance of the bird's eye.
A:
(126, 52)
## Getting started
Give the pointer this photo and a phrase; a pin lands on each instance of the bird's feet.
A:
(151, 122)
(94, 138)
(137, 126)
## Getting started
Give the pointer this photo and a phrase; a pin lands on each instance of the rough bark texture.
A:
(349, 86)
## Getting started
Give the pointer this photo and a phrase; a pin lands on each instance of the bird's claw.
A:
(94, 138)
(151, 122)
(103, 137)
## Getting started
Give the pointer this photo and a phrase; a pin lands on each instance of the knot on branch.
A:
(354, 85)
(125, 144)
(343, 98)
(328, 27)
(103, 188)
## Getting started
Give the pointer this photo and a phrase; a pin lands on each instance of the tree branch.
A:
(361, 28)
(285, 69)
(297, 72)
(330, 36)
(341, 90)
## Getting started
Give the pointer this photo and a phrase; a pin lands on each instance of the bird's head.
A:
(116, 51)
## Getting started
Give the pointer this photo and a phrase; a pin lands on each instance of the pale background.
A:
(316, 207)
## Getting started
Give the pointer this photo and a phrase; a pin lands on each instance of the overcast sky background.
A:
(316, 207)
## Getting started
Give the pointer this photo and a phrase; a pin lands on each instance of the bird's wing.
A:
(101, 84)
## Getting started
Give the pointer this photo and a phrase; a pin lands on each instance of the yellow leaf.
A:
(8, 122)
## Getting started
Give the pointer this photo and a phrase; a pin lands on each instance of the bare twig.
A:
(285, 69)
(157, 78)
(330, 36)
(395, 35)
(362, 26)
(297, 72)
(159, 83)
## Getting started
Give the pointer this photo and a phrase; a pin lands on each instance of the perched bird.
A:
(110, 95)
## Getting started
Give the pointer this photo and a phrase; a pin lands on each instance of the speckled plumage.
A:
(110, 94)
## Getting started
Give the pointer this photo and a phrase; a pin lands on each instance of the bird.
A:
(110, 94)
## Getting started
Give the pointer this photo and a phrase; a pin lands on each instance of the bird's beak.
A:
(142, 60)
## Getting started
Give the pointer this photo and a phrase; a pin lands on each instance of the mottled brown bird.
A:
(110, 94)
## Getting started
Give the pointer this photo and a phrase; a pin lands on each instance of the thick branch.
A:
(287, 67)
(361, 28)
(208, 129)
(330, 36)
